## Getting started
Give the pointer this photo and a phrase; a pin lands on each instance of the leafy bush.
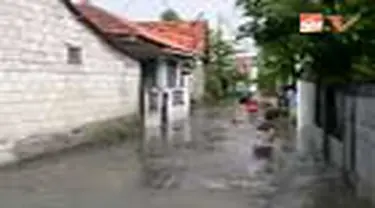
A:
(221, 76)
(116, 130)
(265, 105)
(272, 113)
(284, 112)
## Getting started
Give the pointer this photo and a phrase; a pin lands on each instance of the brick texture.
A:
(39, 90)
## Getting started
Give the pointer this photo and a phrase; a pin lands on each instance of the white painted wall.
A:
(177, 112)
(39, 91)
(306, 95)
(162, 70)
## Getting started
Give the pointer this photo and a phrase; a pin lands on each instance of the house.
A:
(63, 69)
(58, 72)
(168, 52)
(195, 36)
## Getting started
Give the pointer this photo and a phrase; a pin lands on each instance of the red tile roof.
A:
(107, 22)
(190, 34)
(189, 37)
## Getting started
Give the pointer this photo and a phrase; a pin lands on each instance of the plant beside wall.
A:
(115, 130)
(221, 74)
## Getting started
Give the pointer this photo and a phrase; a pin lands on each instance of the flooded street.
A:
(206, 162)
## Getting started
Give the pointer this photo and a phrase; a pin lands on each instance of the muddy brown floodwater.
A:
(205, 162)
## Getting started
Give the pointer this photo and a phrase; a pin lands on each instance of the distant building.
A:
(245, 63)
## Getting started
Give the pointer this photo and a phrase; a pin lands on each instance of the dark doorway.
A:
(164, 108)
(148, 79)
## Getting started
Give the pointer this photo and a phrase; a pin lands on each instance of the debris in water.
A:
(215, 185)
(263, 151)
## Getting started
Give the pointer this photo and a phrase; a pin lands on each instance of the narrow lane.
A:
(205, 162)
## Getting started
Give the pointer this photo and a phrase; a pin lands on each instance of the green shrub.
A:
(293, 117)
(272, 113)
(115, 130)
(265, 104)
(284, 112)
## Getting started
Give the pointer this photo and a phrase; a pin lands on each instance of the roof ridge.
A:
(180, 38)
(106, 12)
(138, 28)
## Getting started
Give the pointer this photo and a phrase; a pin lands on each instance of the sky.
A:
(215, 11)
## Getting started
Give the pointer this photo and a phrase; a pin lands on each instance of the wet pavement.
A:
(205, 162)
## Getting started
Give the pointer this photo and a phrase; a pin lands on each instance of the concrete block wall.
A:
(365, 146)
(312, 140)
(360, 127)
(39, 90)
(305, 112)
(337, 152)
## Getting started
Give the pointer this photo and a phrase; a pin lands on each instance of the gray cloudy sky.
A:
(150, 9)
(189, 9)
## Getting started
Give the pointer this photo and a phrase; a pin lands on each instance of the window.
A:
(74, 55)
(149, 74)
(182, 80)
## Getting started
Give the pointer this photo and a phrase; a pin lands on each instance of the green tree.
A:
(327, 56)
(170, 15)
(221, 73)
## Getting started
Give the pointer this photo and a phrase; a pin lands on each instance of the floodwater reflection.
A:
(203, 162)
(162, 165)
(209, 153)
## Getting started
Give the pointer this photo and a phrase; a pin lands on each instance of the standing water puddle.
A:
(206, 162)
(209, 152)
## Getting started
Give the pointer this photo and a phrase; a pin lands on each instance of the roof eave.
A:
(92, 27)
(126, 40)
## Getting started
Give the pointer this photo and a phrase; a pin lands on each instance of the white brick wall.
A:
(38, 90)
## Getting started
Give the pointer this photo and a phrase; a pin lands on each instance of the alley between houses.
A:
(205, 162)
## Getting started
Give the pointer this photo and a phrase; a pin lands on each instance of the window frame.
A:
(74, 55)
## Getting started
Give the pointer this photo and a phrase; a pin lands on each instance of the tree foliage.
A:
(221, 73)
(327, 56)
(170, 15)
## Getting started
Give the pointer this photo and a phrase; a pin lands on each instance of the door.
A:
(164, 108)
